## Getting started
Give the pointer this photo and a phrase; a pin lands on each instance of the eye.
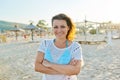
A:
(62, 26)
(55, 27)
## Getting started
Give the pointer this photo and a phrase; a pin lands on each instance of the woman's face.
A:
(60, 28)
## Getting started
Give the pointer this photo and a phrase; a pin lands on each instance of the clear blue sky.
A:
(24, 10)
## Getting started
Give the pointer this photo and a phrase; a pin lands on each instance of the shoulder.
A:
(76, 44)
(44, 44)
(47, 41)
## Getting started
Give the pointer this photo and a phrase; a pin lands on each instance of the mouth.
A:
(59, 34)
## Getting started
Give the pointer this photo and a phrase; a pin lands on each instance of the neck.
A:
(61, 43)
(61, 40)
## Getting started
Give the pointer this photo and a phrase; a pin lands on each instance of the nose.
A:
(59, 29)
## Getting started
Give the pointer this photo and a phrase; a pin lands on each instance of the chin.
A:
(60, 37)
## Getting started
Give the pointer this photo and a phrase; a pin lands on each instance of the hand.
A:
(46, 63)
(73, 62)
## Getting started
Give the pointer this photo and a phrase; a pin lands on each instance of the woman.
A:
(60, 58)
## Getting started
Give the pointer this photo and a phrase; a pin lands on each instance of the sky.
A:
(24, 11)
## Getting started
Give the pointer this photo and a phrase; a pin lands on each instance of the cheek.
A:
(67, 31)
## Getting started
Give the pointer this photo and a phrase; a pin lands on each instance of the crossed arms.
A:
(43, 66)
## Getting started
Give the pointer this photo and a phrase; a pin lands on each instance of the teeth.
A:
(59, 34)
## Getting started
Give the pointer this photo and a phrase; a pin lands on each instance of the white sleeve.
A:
(77, 51)
(42, 46)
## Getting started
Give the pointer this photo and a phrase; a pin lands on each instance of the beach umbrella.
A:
(40, 30)
(31, 27)
(15, 29)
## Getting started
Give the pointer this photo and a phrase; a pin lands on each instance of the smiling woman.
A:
(60, 58)
(64, 24)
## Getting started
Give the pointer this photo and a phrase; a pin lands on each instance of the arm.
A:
(41, 68)
(71, 69)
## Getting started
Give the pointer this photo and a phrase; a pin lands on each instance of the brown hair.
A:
(71, 32)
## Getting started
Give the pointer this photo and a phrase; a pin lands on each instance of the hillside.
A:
(4, 25)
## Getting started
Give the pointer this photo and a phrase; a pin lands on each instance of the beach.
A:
(101, 61)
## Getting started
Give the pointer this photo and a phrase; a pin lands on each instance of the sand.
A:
(17, 59)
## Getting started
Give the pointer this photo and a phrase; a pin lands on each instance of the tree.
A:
(42, 24)
(92, 31)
